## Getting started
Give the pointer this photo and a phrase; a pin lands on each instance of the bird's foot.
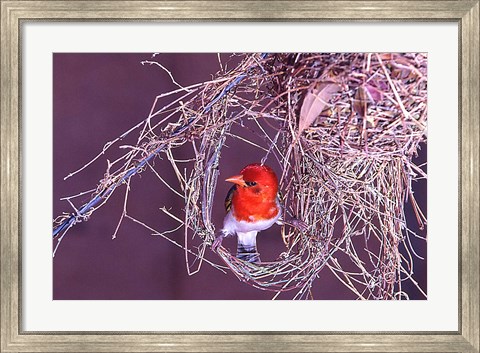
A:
(294, 222)
(217, 242)
(300, 225)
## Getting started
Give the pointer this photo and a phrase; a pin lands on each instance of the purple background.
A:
(96, 98)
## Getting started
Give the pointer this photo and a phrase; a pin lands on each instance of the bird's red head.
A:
(255, 196)
(257, 179)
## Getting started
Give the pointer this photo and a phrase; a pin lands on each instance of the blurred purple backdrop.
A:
(97, 97)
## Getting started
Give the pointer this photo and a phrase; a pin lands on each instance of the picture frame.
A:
(14, 13)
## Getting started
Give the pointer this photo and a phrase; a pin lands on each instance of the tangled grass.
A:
(343, 127)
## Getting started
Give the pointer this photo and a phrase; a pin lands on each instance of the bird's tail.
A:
(247, 247)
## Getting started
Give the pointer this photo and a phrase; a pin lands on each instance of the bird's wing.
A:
(280, 197)
(228, 198)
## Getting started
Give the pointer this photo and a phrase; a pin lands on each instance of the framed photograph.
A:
(280, 260)
(240, 176)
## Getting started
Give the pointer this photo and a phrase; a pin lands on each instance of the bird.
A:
(252, 205)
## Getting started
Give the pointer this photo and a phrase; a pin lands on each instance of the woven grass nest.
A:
(344, 128)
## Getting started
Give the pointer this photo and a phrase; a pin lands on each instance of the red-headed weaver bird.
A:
(252, 205)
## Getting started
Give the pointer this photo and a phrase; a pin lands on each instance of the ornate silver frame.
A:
(465, 13)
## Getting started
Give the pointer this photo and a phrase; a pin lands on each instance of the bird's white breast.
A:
(233, 226)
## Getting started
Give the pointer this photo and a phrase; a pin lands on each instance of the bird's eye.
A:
(250, 183)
